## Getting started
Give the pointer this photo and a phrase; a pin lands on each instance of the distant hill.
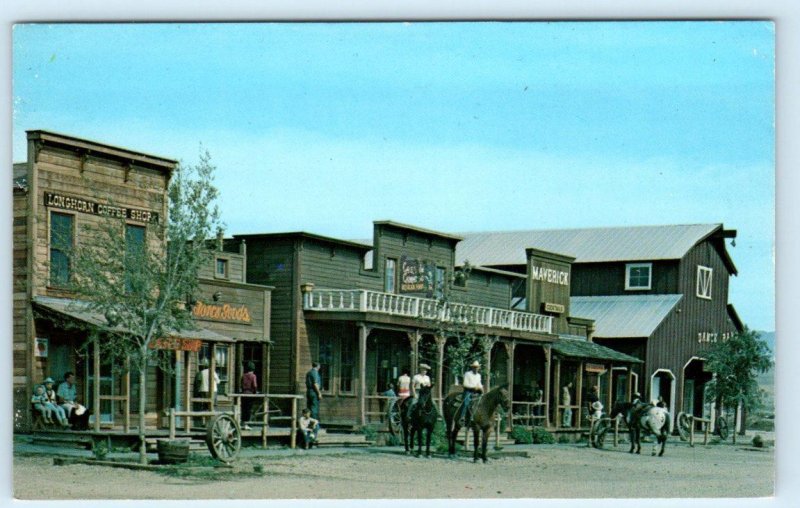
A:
(769, 338)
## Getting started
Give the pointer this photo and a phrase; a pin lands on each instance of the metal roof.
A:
(82, 311)
(624, 315)
(581, 348)
(588, 245)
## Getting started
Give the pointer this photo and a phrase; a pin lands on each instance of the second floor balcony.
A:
(366, 301)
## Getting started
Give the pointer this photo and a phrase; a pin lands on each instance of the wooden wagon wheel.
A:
(601, 428)
(223, 438)
(684, 426)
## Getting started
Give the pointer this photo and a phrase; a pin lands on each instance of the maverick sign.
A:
(81, 205)
(223, 312)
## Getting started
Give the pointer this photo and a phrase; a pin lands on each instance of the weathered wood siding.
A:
(677, 339)
(236, 267)
(485, 289)
(598, 279)
(271, 262)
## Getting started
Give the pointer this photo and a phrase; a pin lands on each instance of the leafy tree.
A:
(142, 280)
(735, 363)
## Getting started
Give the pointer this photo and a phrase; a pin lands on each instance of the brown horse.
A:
(482, 421)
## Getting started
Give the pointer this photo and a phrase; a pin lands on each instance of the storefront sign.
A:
(555, 308)
(41, 347)
(713, 337)
(65, 202)
(177, 344)
(595, 367)
(222, 312)
(415, 276)
(550, 275)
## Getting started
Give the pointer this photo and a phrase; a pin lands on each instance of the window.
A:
(61, 239)
(638, 276)
(366, 261)
(438, 283)
(704, 276)
(390, 275)
(347, 366)
(221, 270)
(325, 360)
(221, 363)
(134, 248)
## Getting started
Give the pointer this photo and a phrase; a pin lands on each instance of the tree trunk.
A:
(142, 400)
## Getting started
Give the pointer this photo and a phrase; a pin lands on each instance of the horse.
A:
(423, 416)
(645, 418)
(482, 421)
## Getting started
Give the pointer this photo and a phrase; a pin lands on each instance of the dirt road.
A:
(551, 471)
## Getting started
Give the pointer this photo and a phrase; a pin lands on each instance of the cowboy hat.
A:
(475, 364)
(48, 380)
(597, 406)
(424, 366)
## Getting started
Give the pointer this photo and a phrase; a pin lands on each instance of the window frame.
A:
(710, 272)
(629, 267)
(386, 277)
(143, 228)
(227, 264)
(60, 249)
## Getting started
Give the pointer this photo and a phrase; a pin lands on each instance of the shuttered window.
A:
(62, 232)
(704, 278)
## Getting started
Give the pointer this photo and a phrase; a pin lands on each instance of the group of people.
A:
(408, 387)
(58, 405)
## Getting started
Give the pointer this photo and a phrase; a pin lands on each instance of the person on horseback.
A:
(418, 381)
(472, 385)
(404, 384)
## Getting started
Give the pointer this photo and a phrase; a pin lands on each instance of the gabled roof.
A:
(576, 347)
(625, 316)
(587, 245)
(303, 234)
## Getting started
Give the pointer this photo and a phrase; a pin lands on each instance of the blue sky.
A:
(449, 126)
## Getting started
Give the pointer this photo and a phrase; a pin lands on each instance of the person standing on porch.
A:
(313, 390)
(249, 385)
(472, 385)
(566, 400)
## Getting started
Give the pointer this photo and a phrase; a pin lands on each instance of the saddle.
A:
(458, 404)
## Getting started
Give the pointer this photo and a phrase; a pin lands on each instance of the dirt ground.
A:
(550, 471)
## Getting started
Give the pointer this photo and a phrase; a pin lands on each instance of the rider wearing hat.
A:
(472, 385)
(418, 381)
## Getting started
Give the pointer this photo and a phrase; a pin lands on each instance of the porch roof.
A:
(566, 345)
(624, 316)
(81, 311)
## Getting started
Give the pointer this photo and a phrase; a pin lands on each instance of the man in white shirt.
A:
(472, 385)
(418, 381)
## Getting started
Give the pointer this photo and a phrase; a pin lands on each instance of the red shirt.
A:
(249, 383)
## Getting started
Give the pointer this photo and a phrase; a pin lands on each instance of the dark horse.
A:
(482, 421)
(645, 418)
(421, 417)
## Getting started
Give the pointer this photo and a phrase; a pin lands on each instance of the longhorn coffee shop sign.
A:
(81, 205)
(415, 276)
(221, 312)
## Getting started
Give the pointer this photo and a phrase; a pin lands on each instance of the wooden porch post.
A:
(510, 347)
(96, 387)
(547, 364)
(579, 394)
(609, 391)
(414, 338)
(557, 385)
(440, 342)
(127, 382)
(213, 370)
(628, 388)
(363, 332)
(189, 380)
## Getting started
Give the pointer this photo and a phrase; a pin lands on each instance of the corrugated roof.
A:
(624, 315)
(582, 348)
(588, 245)
(81, 311)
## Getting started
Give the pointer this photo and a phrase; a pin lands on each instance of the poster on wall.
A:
(41, 347)
(416, 276)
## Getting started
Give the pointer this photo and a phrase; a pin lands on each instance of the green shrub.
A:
(521, 435)
(758, 441)
(370, 432)
(100, 450)
(541, 436)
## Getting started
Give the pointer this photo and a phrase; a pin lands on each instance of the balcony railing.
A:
(355, 300)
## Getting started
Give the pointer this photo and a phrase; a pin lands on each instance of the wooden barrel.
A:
(173, 451)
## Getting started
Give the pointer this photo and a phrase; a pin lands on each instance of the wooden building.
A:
(659, 293)
(66, 184)
(366, 310)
